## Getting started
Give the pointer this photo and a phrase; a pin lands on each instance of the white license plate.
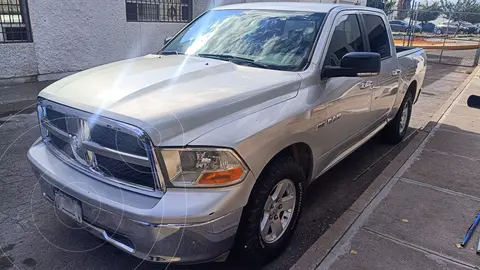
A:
(69, 206)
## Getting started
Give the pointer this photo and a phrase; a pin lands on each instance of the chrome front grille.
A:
(120, 141)
(108, 150)
(136, 174)
(57, 119)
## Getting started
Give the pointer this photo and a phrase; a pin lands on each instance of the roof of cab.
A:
(290, 6)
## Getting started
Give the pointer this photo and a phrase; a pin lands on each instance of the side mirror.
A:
(355, 64)
(166, 40)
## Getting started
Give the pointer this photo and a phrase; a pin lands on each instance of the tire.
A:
(250, 246)
(395, 131)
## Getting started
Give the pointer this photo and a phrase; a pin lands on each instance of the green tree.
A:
(428, 12)
(375, 4)
(473, 15)
(386, 6)
(389, 6)
(462, 10)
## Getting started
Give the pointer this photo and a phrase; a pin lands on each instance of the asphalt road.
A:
(32, 236)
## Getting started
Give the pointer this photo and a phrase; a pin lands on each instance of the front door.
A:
(348, 99)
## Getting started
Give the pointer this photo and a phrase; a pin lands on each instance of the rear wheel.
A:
(270, 216)
(395, 131)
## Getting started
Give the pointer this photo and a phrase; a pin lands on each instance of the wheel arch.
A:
(413, 89)
(301, 152)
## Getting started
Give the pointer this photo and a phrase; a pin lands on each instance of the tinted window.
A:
(377, 35)
(346, 38)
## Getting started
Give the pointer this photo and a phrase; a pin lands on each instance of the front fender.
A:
(257, 138)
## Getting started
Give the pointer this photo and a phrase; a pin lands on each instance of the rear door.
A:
(385, 85)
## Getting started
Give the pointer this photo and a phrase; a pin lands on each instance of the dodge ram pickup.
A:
(205, 149)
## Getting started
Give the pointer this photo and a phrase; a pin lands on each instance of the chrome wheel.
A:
(404, 117)
(278, 211)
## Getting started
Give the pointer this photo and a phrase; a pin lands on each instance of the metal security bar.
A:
(179, 11)
(14, 21)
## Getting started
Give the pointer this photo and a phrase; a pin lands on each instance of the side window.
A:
(346, 38)
(377, 35)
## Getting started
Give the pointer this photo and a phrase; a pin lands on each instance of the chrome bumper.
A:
(202, 229)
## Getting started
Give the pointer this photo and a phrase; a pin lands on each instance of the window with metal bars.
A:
(159, 10)
(14, 21)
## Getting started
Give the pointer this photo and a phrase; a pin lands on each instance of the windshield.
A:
(261, 38)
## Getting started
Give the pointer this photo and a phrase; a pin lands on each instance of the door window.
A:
(377, 35)
(346, 38)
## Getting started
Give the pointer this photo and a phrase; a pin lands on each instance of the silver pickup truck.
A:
(206, 149)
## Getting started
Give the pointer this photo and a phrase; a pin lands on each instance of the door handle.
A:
(396, 72)
(365, 84)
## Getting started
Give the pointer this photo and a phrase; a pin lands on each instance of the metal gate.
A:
(447, 37)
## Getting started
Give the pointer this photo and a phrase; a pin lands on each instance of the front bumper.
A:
(182, 226)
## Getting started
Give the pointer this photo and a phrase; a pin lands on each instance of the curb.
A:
(322, 247)
(13, 107)
(20, 98)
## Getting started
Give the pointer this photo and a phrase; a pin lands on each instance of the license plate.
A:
(68, 205)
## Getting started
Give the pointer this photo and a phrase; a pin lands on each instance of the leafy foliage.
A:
(428, 12)
(389, 6)
(386, 6)
(462, 10)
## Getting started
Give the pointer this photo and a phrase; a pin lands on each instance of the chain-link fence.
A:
(447, 37)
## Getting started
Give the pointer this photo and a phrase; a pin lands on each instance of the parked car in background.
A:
(451, 28)
(467, 27)
(477, 28)
(403, 26)
(206, 148)
(427, 27)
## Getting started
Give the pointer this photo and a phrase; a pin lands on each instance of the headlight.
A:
(203, 167)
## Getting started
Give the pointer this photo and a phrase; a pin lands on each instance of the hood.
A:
(176, 98)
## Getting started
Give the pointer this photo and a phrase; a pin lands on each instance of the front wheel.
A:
(395, 131)
(270, 216)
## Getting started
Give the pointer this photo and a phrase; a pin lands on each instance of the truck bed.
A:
(404, 51)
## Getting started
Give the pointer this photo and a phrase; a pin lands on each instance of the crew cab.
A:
(206, 149)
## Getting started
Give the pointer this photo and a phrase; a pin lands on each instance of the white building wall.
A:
(76, 35)
(70, 36)
(17, 60)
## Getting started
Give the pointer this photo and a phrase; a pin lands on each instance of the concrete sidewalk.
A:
(420, 207)
(19, 97)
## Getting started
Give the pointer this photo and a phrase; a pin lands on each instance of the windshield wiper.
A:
(236, 60)
(223, 57)
(170, 53)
